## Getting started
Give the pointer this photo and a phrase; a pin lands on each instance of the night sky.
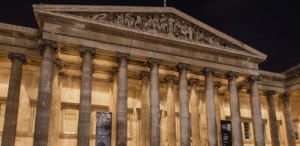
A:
(270, 26)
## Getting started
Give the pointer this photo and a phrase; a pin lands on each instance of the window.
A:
(247, 133)
(296, 129)
(2, 115)
(70, 120)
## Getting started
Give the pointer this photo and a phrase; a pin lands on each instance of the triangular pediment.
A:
(165, 22)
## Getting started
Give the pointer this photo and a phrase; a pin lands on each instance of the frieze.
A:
(164, 24)
(16, 34)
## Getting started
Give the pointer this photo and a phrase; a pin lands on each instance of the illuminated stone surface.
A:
(50, 90)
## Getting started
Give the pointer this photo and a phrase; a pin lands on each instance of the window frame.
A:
(250, 131)
(296, 131)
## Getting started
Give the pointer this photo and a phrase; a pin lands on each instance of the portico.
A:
(137, 62)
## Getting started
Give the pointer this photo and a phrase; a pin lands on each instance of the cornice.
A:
(84, 18)
(18, 31)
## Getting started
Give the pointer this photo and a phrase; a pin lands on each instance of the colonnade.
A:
(45, 95)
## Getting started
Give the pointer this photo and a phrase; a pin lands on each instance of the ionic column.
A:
(121, 137)
(12, 102)
(145, 109)
(194, 101)
(272, 117)
(259, 136)
(218, 103)
(234, 109)
(44, 97)
(210, 107)
(154, 103)
(288, 119)
(85, 97)
(184, 105)
(171, 110)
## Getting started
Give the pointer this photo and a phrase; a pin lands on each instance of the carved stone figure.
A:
(138, 22)
(161, 24)
(155, 23)
(120, 19)
(100, 17)
(213, 40)
(129, 20)
(148, 23)
(171, 25)
(190, 32)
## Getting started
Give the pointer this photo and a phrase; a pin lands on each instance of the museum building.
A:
(166, 78)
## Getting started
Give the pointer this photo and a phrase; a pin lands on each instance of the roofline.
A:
(14, 27)
(292, 69)
(92, 8)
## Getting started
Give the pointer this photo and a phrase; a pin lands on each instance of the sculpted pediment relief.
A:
(165, 22)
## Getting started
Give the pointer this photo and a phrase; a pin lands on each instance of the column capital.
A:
(152, 61)
(122, 55)
(285, 95)
(83, 50)
(181, 66)
(114, 70)
(59, 63)
(208, 70)
(231, 75)
(269, 93)
(46, 43)
(217, 84)
(194, 81)
(144, 74)
(253, 78)
(169, 78)
(241, 87)
(18, 56)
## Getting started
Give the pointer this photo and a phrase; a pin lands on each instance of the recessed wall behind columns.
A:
(67, 90)
(295, 104)
(245, 110)
(28, 95)
(295, 110)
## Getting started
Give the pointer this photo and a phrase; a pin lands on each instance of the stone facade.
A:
(167, 78)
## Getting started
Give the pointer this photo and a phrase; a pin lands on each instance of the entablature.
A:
(18, 39)
(86, 23)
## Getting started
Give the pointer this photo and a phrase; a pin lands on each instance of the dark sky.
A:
(270, 26)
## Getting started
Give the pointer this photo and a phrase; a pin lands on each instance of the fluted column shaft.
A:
(12, 102)
(194, 102)
(288, 119)
(234, 110)
(259, 136)
(122, 100)
(210, 108)
(272, 118)
(44, 97)
(184, 105)
(145, 110)
(85, 97)
(154, 103)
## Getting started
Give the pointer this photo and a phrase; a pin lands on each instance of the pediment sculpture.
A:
(165, 24)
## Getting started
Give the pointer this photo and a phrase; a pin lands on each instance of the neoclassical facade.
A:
(167, 78)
